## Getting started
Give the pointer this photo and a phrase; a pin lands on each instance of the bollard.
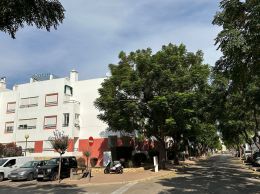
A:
(155, 163)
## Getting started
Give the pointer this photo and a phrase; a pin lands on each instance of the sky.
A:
(95, 31)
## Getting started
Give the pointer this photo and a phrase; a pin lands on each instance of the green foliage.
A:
(14, 14)
(59, 142)
(87, 154)
(236, 74)
(163, 95)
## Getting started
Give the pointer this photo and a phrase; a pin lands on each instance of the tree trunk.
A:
(162, 154)
(256, 130)
(176, 151)
(59, 168)
(87, 162)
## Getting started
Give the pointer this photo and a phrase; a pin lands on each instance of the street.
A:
(218, 174)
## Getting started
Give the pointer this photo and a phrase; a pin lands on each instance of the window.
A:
(50, 122)
(51, 99)
(10, 107)
(66, 118)
(76, 124)
(10, 163)
(68, 90)
(9, 127)
(27, 123)
(29, 102)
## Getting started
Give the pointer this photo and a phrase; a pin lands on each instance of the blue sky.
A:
(95, 31)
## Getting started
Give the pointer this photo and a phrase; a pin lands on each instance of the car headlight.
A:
(48, 170)
(22, 173)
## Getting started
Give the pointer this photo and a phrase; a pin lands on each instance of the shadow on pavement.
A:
(31, 188)
(218, 174)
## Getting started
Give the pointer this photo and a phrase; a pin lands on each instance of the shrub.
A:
(93, 162)
(81, 162)
(153, 153)
(11, 150)
(139, 158)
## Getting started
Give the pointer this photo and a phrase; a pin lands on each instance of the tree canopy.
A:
(239, 41)
(162, 95)
(14, 14)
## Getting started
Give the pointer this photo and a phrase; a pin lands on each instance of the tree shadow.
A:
(216, 175)
(29, 188)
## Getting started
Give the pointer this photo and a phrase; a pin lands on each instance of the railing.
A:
(50, 126)
(71, 101)
(27, 127)
(10, 111)
(54, 103)
(28, 105)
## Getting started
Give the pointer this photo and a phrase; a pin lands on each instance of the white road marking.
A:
(124, 188)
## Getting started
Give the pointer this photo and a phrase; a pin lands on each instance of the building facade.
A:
(37, 108)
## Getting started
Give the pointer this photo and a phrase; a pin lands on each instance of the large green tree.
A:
(157, 94)
(239, 42)
(14, 14)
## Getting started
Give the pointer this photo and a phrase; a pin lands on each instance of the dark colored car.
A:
(28, 171)
(256, 159)
(50, 170)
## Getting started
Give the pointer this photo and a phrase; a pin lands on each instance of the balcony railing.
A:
(50, 126)
(71, 101)
(10, 111)
(28, 105)
(27, 127)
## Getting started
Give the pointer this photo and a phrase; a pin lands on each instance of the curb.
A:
(169, 174)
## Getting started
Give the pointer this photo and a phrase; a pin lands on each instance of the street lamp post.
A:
(26, 138)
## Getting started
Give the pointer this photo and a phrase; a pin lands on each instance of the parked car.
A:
(28, 171)
(248, 156)
(257, 162)
(50, 170)
(256, 159)
(9, 164)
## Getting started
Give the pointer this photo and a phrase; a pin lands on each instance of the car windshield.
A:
(2, 161)
(53, 161)
(30, 164)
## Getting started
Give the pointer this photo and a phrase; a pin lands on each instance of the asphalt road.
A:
(219, 174)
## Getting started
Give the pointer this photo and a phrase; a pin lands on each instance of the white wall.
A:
(85, 92)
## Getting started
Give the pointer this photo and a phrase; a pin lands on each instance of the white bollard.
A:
(155, 163)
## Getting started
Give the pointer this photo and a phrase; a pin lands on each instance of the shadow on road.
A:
(219, 174)
(31, 188)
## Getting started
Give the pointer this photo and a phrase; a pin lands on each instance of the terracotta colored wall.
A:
(38, 146)
(71, 145)
(100, 145)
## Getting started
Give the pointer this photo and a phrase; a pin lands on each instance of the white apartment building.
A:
(39, 107)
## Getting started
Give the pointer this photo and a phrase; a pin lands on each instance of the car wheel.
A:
(54, 177)
(39, 179)
(1, 177)
(121, 171)
(106, 171)
(30, 177)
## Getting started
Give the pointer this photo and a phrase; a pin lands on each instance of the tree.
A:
(14, 14)
(10, 150)
(239, 42)
(155, 94)
(59, 143)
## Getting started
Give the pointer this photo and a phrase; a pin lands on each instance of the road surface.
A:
(218, 174)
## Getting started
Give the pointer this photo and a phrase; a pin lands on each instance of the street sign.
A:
(90, 141)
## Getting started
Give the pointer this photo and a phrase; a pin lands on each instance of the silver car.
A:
(25, 172)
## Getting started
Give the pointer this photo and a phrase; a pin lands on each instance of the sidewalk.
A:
(99, 178)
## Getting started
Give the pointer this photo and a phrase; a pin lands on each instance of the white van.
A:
(11, 163)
